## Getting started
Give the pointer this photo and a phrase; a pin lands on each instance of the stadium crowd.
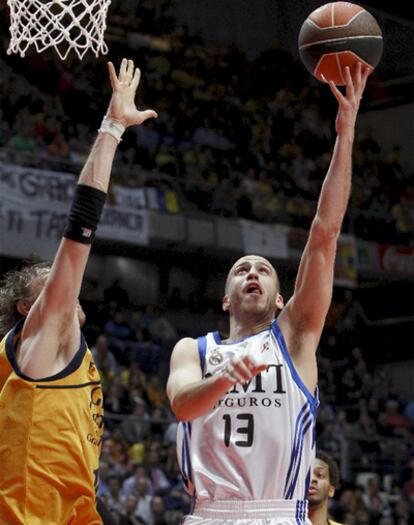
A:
(237, 137)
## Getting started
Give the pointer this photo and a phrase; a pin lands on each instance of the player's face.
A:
(320, 488)
(252, 287)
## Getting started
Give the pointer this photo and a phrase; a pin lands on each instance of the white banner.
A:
(131, 198)
(35, 185)
(33, 208)
(268, 240)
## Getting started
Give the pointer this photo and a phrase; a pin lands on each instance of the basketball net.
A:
(62, 24)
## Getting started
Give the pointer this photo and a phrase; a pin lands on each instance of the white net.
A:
(66, 25)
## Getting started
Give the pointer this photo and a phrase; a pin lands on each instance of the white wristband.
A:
(113, 127)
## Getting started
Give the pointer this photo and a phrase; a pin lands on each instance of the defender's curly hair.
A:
(15, 286)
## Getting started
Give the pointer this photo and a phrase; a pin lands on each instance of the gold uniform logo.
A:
(215, 358)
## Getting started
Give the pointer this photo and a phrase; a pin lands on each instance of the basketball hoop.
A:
(62, 24)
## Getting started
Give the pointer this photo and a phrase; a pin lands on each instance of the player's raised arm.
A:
(53, 316)
(305, 313)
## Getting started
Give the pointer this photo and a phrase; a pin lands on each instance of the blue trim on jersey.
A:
(300, 514)
(202, 348)
(298, 425)
(217, 337)
(72, 366)
(307, 483)
(183, 459)
(303, 415)
(187, 451)
(185, 466)
(313, 399)
(295, 477)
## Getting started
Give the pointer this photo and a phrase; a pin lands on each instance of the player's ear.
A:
(23, 307)
(279, 302)
(331, 491)
(226, 303)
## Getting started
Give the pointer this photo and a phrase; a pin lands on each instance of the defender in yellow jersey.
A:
(325, 480)
(51, 416)
(53, 440)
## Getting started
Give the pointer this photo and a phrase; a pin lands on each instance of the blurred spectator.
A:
(130, 483)
(104, 359)
(24, 141)
(156, 473)
(139, 487)
(157, 512)
(117, 327)
(161, 329)
(111, 498)
(395, 419)
(136, 426)
(402, 512)
(116, 398)
(128, 514)
(170, 435)
(156, 391)
(329, 442)
(58, 147)
(116, 293)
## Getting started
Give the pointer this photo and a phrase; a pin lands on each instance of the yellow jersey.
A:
(50, 440)
(5, 366)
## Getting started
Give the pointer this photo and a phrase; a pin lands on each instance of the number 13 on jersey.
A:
(233, 426)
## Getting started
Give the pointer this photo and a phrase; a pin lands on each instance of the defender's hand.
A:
(124, 87)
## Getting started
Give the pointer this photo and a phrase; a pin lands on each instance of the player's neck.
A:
(240, 329)
(318, 514)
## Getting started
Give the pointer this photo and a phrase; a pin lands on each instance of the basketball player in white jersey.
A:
(247, 405)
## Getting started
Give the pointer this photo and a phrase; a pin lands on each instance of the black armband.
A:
(84, 214)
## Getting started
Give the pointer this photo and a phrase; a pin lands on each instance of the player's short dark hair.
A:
(332, 466)
(15, 286)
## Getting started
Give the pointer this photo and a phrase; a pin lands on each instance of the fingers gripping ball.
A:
(337, 35)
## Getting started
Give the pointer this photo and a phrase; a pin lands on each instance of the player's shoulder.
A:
(185, 353)
(332, 522)
(185, 344)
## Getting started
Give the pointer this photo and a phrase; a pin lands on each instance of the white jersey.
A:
(258, 443)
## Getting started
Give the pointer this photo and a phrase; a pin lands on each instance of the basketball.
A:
(337, 35)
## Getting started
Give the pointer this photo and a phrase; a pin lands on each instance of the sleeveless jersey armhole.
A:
(74, 364)
(202, 348)
(312, 398)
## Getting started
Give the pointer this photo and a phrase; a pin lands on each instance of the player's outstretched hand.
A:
(124, 87)
(242, 369)
(349, 103)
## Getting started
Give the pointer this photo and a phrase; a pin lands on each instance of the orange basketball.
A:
(337, 35)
